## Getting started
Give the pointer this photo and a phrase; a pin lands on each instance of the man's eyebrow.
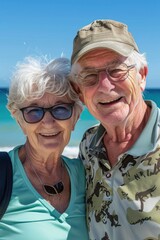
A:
(114, 62)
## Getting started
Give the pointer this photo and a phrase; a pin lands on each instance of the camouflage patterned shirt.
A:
(123, 201)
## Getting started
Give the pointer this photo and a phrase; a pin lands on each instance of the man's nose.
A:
(104, 81)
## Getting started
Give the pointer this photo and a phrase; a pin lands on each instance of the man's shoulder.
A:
(90, 132)
(91, 138)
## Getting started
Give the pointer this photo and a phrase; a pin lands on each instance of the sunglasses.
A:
(34, 114)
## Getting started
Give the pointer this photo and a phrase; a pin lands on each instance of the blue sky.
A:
(47, 27)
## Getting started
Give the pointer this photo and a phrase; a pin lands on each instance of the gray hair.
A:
(36, 76)
(139, 59)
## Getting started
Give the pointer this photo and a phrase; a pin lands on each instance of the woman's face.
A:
(48, 135)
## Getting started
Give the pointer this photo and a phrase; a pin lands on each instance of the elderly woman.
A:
(48, 196)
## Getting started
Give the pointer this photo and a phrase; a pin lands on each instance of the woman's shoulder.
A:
(76, 171)
(73, 163)
(14, 156)
(13, 153)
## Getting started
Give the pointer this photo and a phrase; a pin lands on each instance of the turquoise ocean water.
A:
(11, 134)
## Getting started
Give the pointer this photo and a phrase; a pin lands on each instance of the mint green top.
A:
(30, 216)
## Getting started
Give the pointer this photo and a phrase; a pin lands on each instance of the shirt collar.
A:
(148, 138)
(146, 141)
(97, 138)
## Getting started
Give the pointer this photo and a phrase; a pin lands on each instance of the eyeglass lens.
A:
(35, 114)
(117, 73)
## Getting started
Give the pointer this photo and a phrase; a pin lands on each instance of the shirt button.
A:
(107, 198)
(108, 175)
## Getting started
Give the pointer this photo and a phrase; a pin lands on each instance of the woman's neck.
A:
(50, 164)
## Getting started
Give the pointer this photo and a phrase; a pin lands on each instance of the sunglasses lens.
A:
(35, 114)
(62, 112)
(32, 114)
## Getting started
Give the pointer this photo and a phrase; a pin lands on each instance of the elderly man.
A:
(121, 154)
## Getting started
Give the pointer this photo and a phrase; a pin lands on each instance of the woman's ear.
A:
(21, 126)
(142, 82)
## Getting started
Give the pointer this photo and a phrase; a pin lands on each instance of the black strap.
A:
(6, 178)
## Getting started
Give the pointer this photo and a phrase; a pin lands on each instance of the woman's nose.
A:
(48, 118)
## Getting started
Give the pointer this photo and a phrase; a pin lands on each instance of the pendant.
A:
(53, 189)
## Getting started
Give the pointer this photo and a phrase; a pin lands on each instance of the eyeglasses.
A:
(116, 73)
(34, 114)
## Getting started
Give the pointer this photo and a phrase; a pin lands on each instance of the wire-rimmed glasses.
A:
(90, 77)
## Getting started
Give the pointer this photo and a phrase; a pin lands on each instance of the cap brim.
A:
(121, 48)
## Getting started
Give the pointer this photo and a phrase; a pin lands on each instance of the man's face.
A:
(116, 93)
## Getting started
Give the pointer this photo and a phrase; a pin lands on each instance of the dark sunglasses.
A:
(34, 114)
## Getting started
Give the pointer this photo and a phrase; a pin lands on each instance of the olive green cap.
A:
(108, 34)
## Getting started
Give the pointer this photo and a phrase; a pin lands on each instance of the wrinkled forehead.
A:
(101, 53)
(98, 58)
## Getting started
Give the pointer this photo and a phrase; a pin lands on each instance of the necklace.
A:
(50, 189)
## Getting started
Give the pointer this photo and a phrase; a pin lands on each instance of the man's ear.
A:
(77, 89)
(81, 96)
(143, 72)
